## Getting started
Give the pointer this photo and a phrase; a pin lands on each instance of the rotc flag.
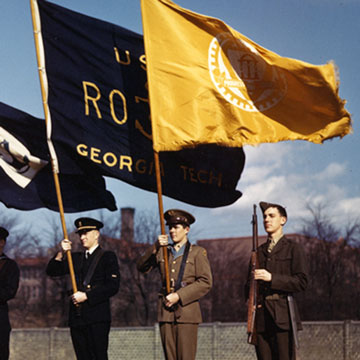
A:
(210, 84)
(100, 116)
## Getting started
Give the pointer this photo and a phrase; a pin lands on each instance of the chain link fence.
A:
(216, 341)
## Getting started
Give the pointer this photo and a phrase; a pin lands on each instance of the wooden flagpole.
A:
(43, 84)
(162, 221)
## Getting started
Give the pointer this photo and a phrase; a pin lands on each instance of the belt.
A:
(275, 296)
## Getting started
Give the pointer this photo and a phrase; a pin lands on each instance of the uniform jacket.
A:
(9, 283)
(104, 283)
(196, 282)
(288, 267)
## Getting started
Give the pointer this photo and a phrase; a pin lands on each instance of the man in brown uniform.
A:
(190, 277)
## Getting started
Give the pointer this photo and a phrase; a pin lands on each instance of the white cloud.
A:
(281, 174)
(254, 173)
(331, 171)
(262, 161)
(350, 206)
(267, 153)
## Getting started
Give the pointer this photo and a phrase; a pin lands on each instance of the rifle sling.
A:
(182, 267)
(97, 256)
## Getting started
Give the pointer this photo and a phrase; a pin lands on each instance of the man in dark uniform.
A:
(282, 271)
(9, 283)
(190, 277)
(97, 277)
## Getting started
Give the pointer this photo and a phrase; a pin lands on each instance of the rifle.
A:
(254, 286)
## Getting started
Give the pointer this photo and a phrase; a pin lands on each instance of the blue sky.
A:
(290, 173)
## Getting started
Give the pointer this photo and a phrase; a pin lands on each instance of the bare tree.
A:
(147, 227)
(16, 247)
(334, 273)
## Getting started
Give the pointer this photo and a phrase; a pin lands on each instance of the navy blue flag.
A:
(100, 115)
(26, 177)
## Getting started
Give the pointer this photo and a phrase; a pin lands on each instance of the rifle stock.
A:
(254, 287)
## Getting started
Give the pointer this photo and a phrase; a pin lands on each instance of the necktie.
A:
(271, 245)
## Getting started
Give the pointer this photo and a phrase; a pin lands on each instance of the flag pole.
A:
(159, 195)
(162, 221)
(54, 164)
(62, 217)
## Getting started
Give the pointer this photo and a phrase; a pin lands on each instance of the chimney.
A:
(127, 224)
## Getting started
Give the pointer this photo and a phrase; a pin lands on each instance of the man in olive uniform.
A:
(190, 277)
(97, 277)
(282, 271)
(9, 283)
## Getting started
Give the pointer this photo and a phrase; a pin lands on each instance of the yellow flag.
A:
(210, 84)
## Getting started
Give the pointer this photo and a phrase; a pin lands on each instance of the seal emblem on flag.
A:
(242, 76)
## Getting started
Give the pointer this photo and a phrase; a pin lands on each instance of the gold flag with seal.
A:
(210, 84)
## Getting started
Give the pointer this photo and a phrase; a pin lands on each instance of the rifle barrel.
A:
(253, 291)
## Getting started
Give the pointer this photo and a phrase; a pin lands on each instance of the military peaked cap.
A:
(176, 216)
(86, 223)
(3, 233)
(264, 206)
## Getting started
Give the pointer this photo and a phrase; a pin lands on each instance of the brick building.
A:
(331, 295)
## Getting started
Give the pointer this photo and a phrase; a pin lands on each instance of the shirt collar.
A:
(92, 249)
(178, 253)
(275, 238)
